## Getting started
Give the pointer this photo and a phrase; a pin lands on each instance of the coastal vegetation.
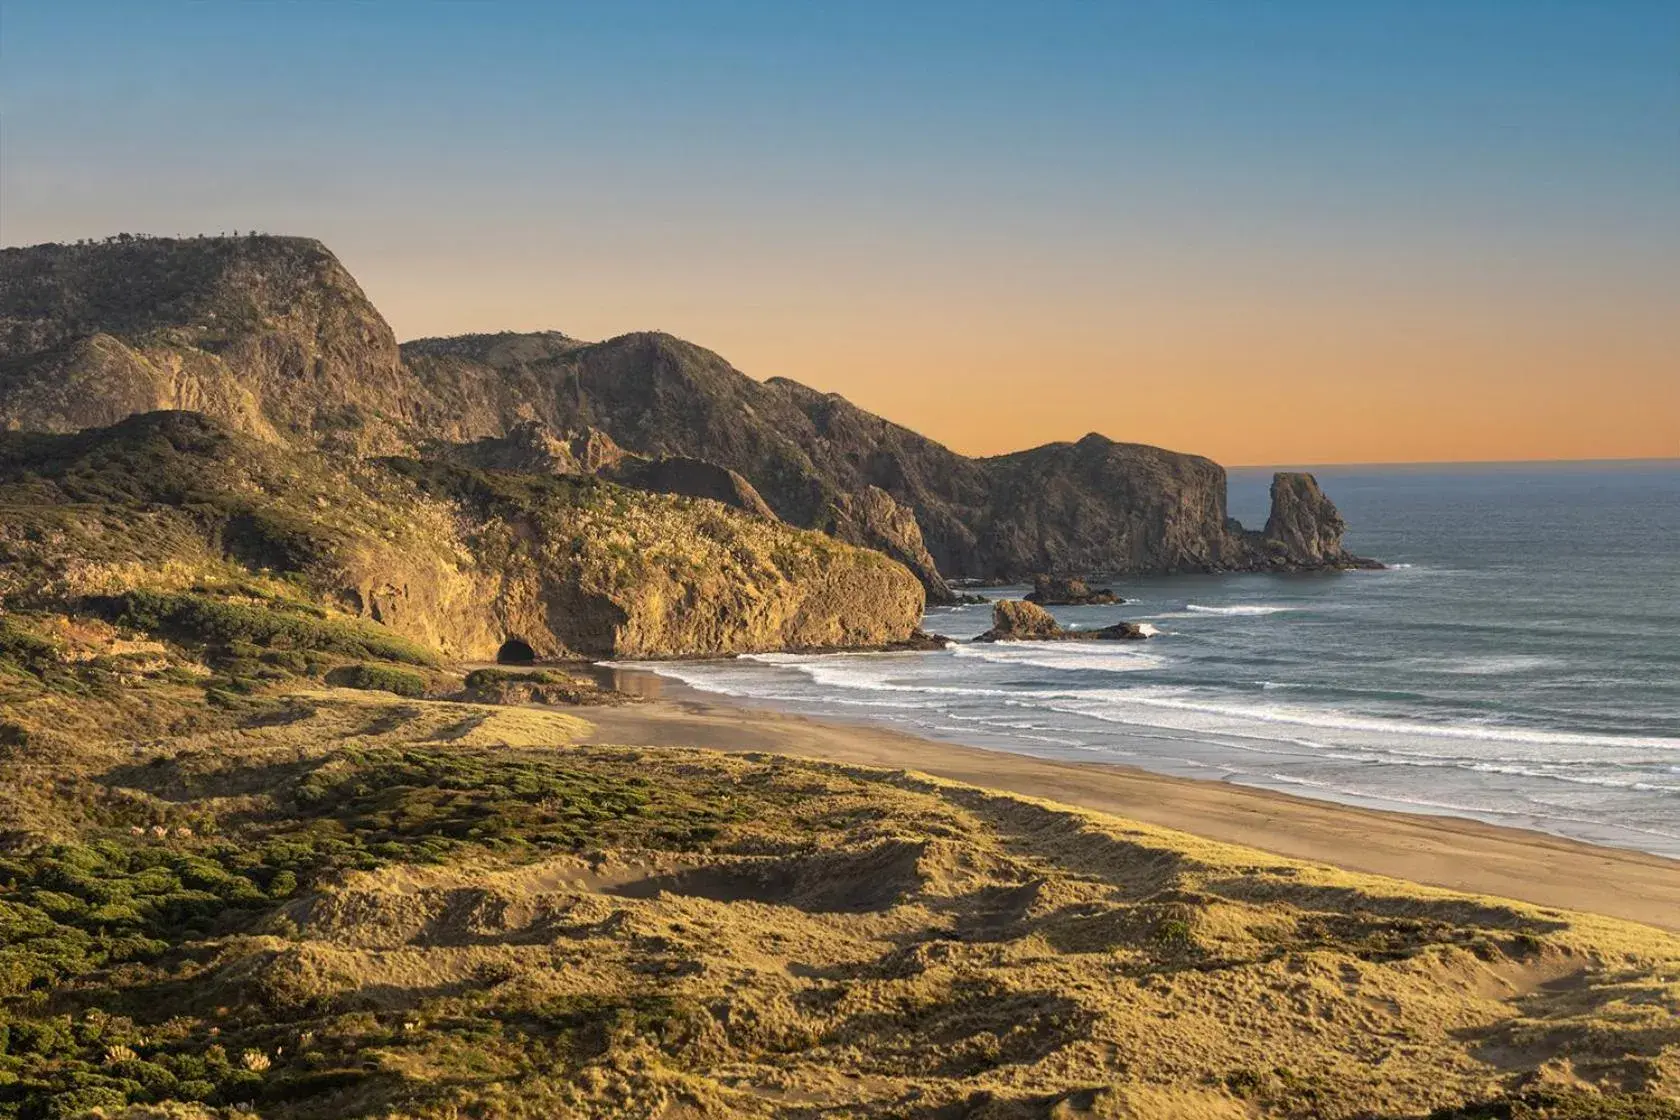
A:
(342, 902)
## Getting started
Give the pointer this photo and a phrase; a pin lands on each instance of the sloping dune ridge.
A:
(538, 925)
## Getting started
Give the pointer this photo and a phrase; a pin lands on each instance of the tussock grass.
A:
(355, 904)
(271, 624)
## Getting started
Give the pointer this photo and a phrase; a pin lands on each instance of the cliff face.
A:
(532, 448)
(1097, 505)
(822, 462)
(581, 565)
(458, 559)
(272, 336)
(267, 334)
(665, 398)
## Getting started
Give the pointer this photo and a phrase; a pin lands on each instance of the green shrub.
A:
(486, 678)
(1175, 932)
(26, 650)
(204, 620)
(79, 1102)
(379, 678)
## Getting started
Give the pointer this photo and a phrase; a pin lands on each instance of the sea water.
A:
(1518, 662)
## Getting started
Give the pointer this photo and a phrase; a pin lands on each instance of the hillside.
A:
(268, 334)
(273, 337)
(457, 559)
(305, 903)
(820, 461)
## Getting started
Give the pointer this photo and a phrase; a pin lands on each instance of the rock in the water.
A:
(1058, 591)
(1304, 530)
(1016, 620)
(920, 641)
(1120, 631)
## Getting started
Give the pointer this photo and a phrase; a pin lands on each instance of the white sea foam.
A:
(1237, 609)
(1490, 666)
(889, 673)
(1075, 655)
(1121, 706)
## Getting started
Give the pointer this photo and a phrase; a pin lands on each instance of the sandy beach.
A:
(1440, 851)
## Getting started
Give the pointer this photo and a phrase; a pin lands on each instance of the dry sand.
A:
(1441, 851)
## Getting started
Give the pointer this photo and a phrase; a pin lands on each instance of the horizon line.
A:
(1609, 460)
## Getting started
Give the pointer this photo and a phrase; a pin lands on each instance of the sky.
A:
(1269, 231)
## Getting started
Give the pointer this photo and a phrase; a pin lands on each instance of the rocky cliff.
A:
(460, 560)
(531, 447)
(822, 462)
(1304, 530)
(273, 337)
(668, 399)
(268, 334)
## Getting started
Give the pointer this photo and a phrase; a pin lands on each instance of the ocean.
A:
(1518, 663)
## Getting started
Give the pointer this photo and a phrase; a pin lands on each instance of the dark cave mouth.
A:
(516, 651)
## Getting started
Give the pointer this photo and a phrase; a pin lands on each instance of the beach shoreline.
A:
(1443, 851)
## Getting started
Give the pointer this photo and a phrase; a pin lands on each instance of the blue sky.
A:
(1144, 182)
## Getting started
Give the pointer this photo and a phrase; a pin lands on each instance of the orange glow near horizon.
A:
(1296, 379)
(1310, 232)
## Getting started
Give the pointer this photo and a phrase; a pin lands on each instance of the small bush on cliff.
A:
(487, 678)
(24, 651)
(379, 678)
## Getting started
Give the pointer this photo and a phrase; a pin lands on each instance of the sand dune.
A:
(1442, 851)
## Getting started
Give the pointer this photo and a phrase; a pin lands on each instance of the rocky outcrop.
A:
(1304, 530)
(695, 478)
(537, 686)
(269, 335)
(1015, 620)
(533, 448)
(1018, 620)
(1063, 591)
(873, 519)
(458, 559)
(272, 336)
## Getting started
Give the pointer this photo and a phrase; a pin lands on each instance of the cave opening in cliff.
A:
(514, 651)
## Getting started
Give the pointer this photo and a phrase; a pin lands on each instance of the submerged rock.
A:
(1059, 591)
(1016, 620)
